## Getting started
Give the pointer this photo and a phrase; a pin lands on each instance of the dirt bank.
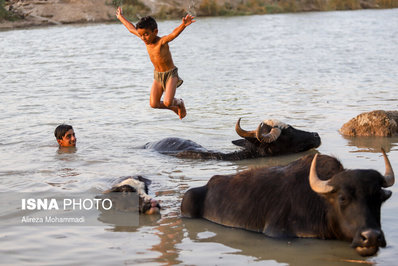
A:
(53, 12)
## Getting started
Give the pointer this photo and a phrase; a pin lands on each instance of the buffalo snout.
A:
(368, 241)
(317, 139)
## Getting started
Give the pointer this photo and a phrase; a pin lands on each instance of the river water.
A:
(314, 71)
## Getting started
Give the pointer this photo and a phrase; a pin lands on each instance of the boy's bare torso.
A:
(160, 55)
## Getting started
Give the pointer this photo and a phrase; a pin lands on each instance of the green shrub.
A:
(387, 3)
(132, 8)
(5, 14)
(209, 8)
(3, 11)
(273, 8)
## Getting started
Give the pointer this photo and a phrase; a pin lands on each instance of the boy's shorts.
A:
(163, 77)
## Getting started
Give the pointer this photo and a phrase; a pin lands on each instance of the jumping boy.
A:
(166, 79)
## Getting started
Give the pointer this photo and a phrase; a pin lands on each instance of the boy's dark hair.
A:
(61, 130)
(147, 22)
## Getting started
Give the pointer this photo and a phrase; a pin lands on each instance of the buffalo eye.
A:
(385, 195)
(343, 200)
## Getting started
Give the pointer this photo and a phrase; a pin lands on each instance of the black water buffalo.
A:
(270, 138)
(135, 184)
(302, 199)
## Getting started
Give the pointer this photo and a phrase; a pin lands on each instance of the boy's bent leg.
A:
(171, 87)
(156, 94)
(169, 99)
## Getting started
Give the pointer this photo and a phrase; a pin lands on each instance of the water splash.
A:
(192, 7)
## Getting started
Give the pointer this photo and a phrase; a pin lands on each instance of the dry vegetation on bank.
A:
(177, 8)
(24, 13)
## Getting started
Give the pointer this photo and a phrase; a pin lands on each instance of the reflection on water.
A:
(63, 150)
(288, 251)
(372, 144)
(311, 70)
(170, 235)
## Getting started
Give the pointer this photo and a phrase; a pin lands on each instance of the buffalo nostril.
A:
(364, 237)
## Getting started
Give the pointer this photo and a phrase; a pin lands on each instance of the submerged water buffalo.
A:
(271, 138)
(376, 123)
(134, 184)
(310, 197)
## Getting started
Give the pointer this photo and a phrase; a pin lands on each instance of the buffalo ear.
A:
(239, 142)
(385, 195)
(246, 143)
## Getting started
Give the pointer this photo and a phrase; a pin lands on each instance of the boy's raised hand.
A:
(118, 12)
(188, 20)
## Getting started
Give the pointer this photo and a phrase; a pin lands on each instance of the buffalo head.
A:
(273, 137)
(270, 138)
(139, 185)
(355, 198)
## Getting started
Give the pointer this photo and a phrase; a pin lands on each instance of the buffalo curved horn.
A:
(318, 185)
(243, 133)
(269, 137)
(389, 178)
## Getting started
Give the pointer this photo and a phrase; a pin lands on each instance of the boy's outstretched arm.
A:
(186, 21)
(125, 22)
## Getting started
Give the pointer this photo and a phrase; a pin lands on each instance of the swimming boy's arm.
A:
(125, 22)
(186, 21)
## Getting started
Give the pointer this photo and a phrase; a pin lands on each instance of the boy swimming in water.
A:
(166, 79)
(65, 135)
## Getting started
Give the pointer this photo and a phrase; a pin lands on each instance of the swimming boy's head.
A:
(65, 136)
(147, 28)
